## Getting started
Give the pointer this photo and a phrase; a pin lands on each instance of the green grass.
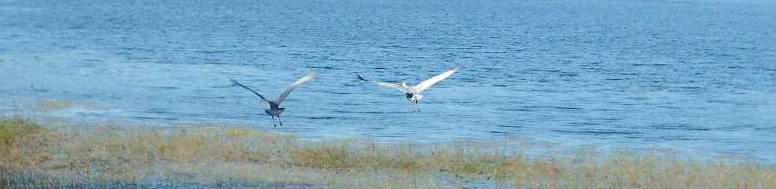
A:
(35, 156)
(22, 143)
(14, 129)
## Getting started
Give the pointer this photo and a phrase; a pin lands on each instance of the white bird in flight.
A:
(413, 92)
(274, 106)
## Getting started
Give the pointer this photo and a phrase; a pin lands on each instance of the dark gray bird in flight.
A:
(274, 105)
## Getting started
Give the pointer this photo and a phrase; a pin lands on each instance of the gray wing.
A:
(396, 86)
(235, 82)
(301, 81)
(422, 86)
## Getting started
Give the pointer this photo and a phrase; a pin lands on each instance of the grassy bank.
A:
(35, 156)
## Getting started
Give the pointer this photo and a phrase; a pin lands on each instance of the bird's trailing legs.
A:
(274, 124)
(414, 107)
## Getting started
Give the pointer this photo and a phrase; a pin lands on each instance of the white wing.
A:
(301, 81)
(397, 86)
(422, 86)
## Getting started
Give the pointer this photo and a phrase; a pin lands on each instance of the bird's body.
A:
(274, 110)
(274, 105)
(412, 93)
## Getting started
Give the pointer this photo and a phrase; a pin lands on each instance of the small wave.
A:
(596, 132)
(322, 117)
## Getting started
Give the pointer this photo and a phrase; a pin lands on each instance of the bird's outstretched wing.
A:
(396, 86)
(301, 81)
(422, 86)
(235, 82)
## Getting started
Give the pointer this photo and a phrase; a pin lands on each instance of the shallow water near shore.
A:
(693, 76)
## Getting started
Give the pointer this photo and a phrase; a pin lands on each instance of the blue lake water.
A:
(694, 76)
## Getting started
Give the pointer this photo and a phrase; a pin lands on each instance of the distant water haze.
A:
(692, 76)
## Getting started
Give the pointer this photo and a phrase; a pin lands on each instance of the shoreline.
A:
(72, 112)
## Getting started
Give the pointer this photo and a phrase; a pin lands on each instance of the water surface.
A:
(694, 76)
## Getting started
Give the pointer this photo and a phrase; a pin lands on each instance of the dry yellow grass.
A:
(36, 156)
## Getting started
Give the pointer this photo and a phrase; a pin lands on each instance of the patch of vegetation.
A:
(22, 143)
(15, 129)
(33, 155)
(54, 104)
(323, 156)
